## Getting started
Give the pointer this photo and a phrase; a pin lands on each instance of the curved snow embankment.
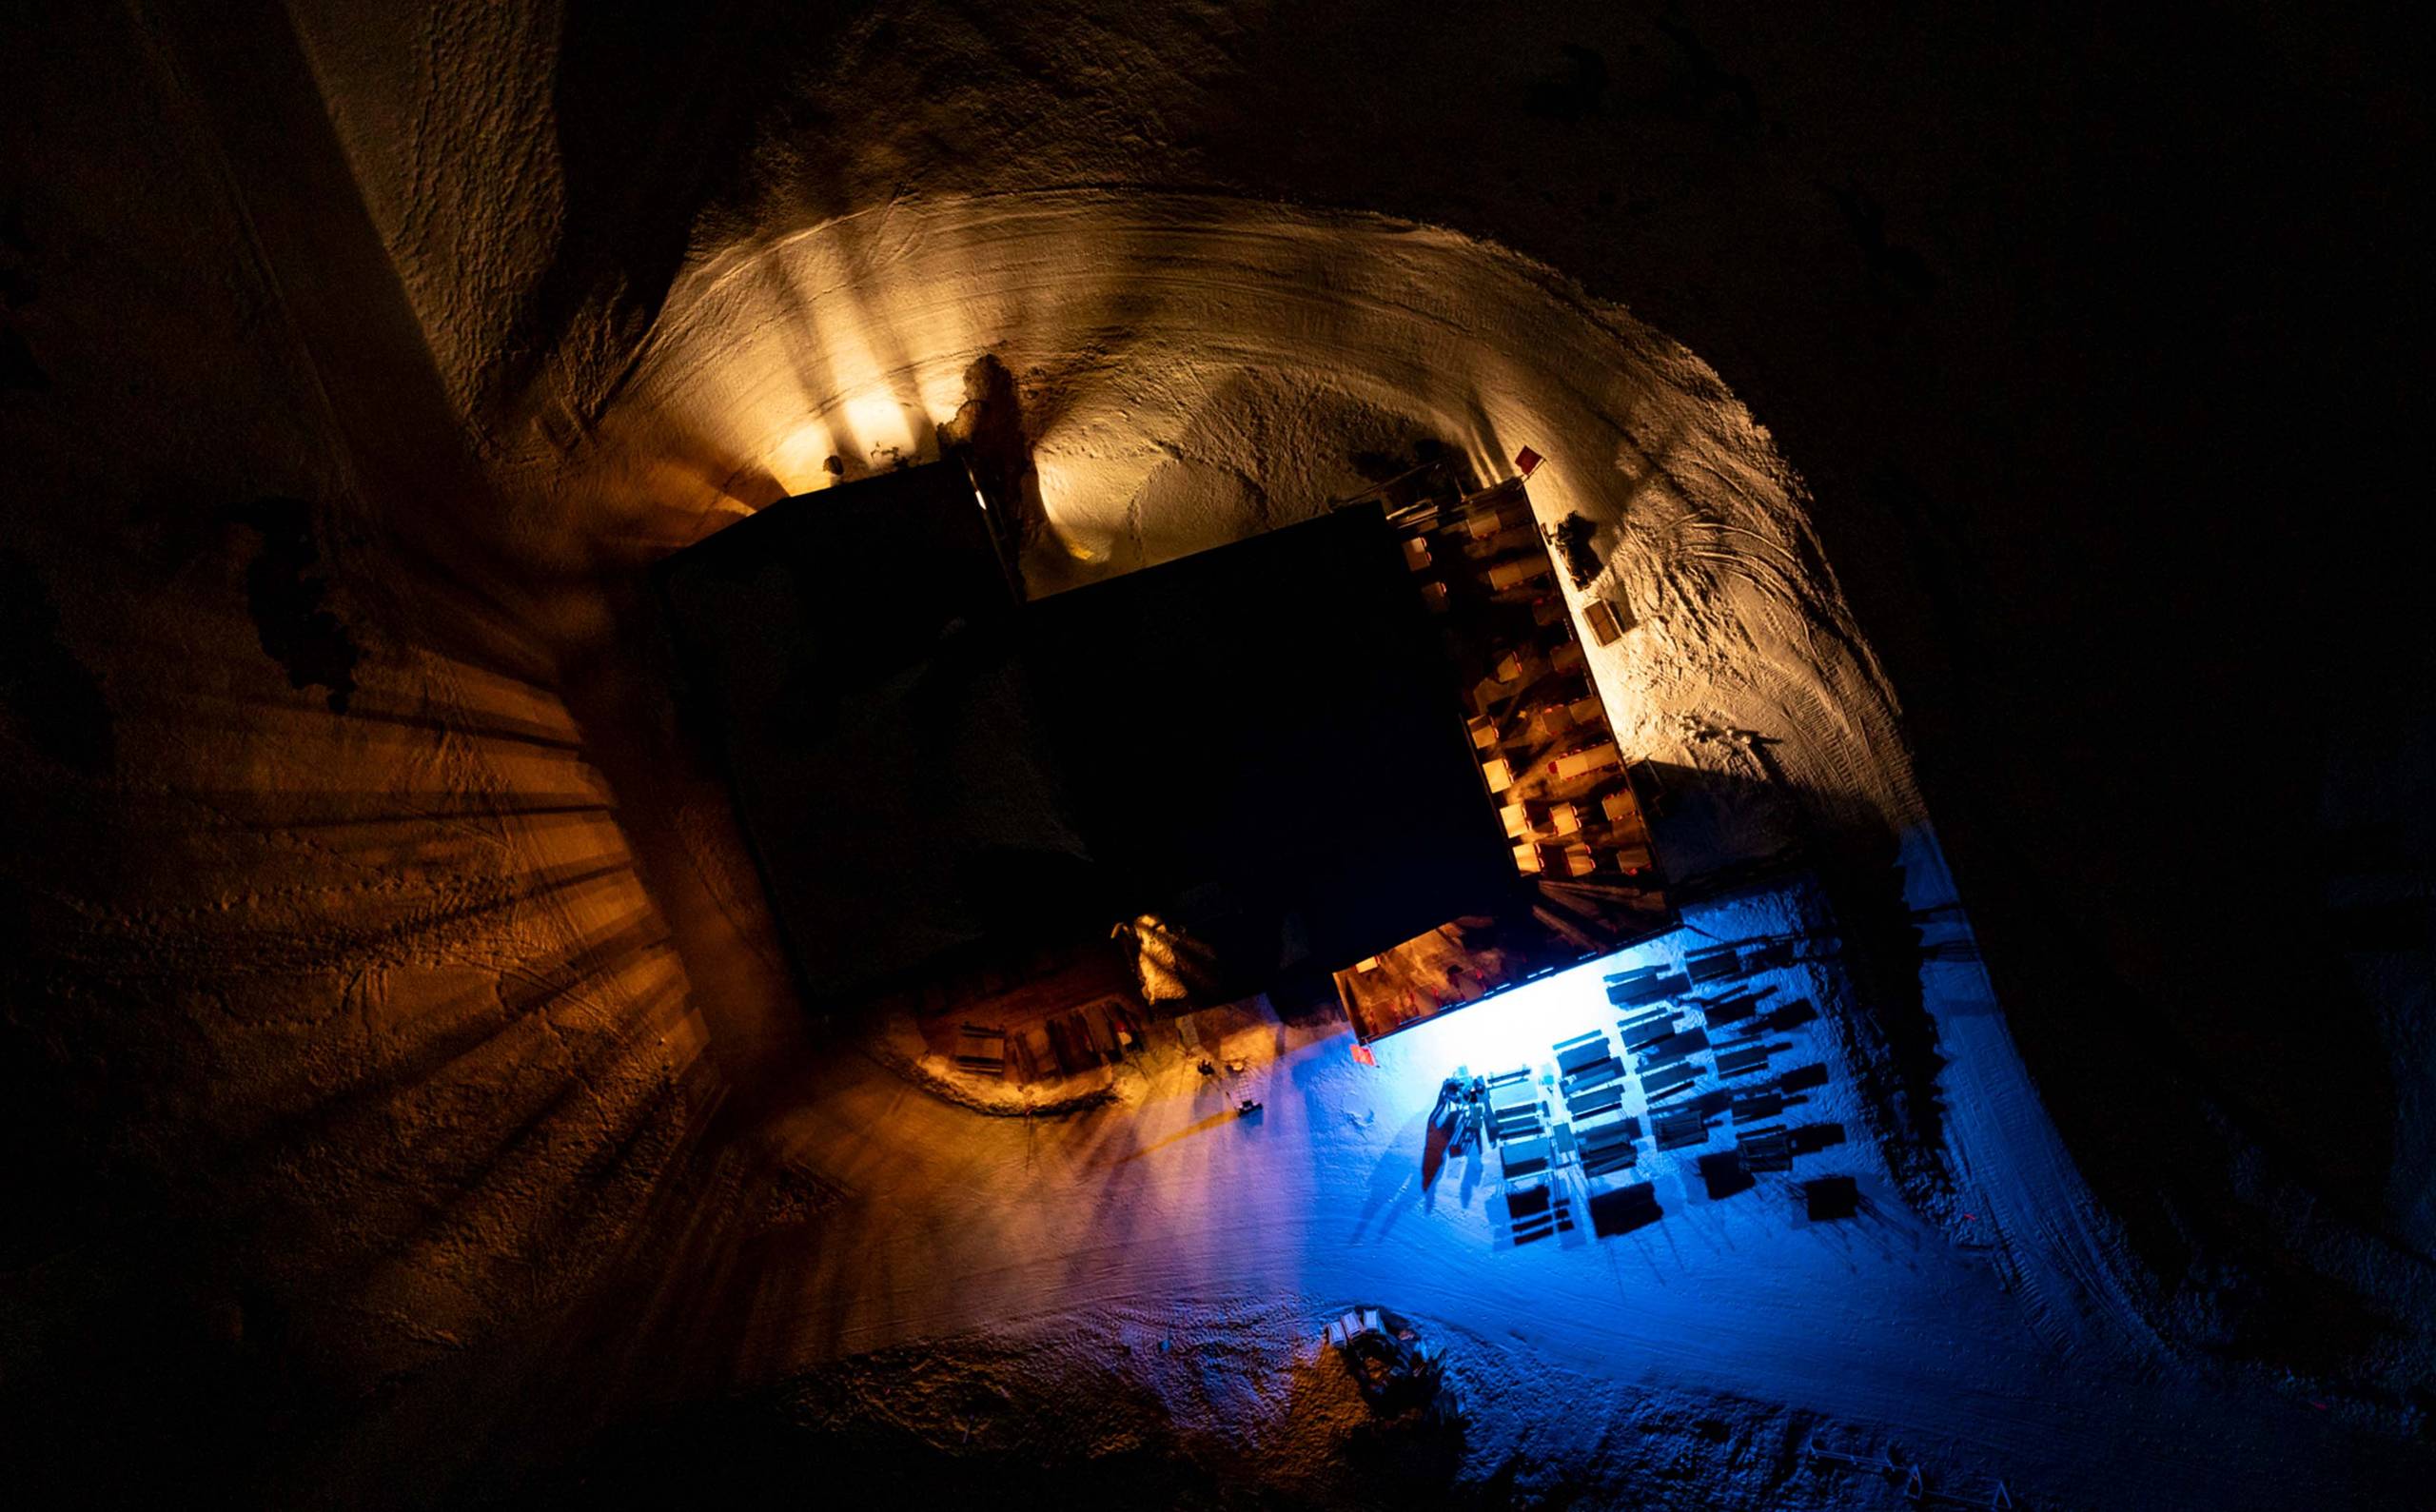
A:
(1195, 369)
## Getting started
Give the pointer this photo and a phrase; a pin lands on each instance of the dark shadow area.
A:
(48, 697)
(1723, 1175)
(1574, 88)
(206, 1368)
(655, 121)
(1750, 1107)
(1715, 832)
(1803, 1079)
(2382, 926)
(285, 595)
(1621, 1209)
(1435, 1139)
(1830, 1199)
(1721, 833)
(988, 436)
(1713, 1101)
(339, 287)
(1428, 470)
(2311, 1321)
(20, 371)
(761, 1450)
(1786, 1017)
(987, 1424)
(1883, 957)
(1738, 1007)
(1898, 270)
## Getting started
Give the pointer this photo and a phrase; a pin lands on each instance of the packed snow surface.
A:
(1173, 1223)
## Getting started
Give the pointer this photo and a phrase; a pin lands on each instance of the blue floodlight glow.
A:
(1513, 1029)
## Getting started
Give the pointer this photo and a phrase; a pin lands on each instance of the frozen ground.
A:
(1192, 1254)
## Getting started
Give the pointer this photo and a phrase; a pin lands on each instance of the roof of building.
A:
(1268, 747)
(1260, 744)
(853, 651)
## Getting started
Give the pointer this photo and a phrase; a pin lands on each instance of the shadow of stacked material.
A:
(1720, 834)
(1723, 1175)
(654, 125)
(1622, 1210)
(1830, 1199)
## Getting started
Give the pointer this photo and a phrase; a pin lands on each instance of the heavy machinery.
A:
(1395, 1368)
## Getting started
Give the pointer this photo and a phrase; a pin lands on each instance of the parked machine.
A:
(1456, 1112)
(1394, 1367)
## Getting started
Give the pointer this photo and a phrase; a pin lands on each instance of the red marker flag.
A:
(1525, 460)
(1361, 1053)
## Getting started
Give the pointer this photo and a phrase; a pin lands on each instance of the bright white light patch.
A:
(867, 433)
(800, 462)
(879, 428)
(1514, 1028)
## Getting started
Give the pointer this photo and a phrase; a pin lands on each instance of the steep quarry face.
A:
(381, 958)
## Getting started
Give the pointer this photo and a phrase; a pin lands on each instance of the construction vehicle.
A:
(1392, 1365)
